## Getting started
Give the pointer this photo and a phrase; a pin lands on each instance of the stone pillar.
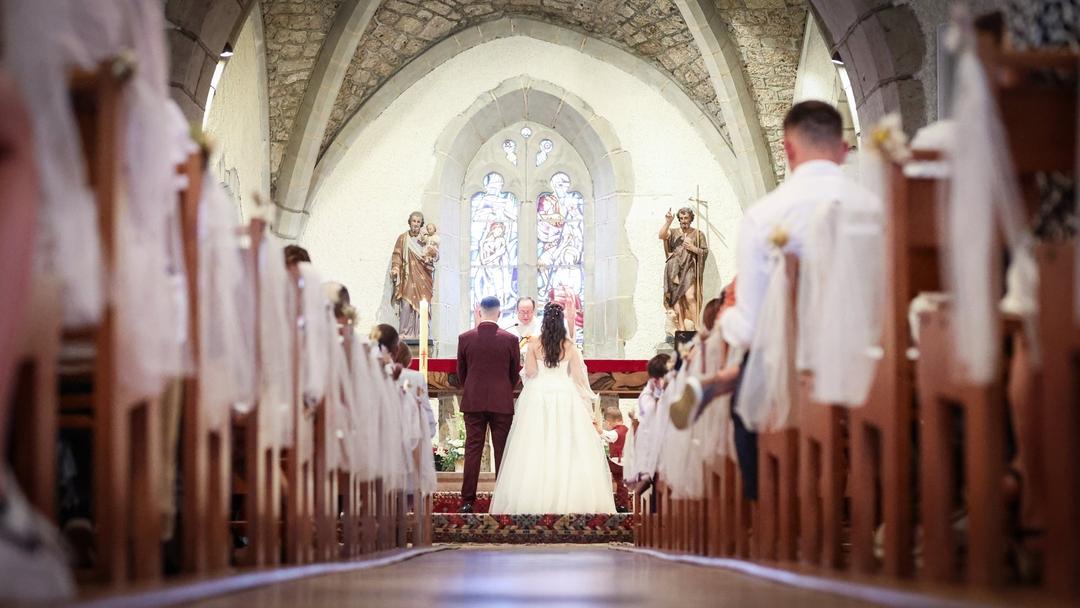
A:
(605, 402)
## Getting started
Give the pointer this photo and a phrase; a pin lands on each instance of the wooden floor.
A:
(490, 576)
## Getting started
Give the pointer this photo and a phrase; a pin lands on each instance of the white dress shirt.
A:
(790, 206)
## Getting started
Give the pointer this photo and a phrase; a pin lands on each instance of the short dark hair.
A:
(686, 210)
(658, 365)
(712, 307)
(388, 337)
(403, 355)
(417, 213)
(490, 303)
(295, 254)
(818, 121)
(342, 308)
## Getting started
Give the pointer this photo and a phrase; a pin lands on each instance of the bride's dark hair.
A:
(552, 334)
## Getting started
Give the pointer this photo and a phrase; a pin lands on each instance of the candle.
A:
(423, 336)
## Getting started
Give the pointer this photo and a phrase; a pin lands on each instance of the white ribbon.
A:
(983, 192)
(765, 397)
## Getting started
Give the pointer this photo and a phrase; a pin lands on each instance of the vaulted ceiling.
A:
(735, 59)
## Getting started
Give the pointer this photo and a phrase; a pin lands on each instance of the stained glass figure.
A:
(493, 253)
(560, 247)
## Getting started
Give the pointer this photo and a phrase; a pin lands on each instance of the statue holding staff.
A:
(686, 249)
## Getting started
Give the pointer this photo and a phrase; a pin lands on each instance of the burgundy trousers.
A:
(476, 426)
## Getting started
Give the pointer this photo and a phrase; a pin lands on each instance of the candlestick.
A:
(423, 337)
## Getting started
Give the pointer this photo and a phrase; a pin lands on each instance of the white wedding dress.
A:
(554, 460)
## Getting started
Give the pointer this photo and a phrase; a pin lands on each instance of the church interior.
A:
(246, 239)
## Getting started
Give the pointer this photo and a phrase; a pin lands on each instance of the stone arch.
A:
(883, 48)
(292, 222)
(611, 269)
(721, 58)
(198, 33)
(302, 150)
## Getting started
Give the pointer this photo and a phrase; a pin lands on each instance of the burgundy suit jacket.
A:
(488, 366)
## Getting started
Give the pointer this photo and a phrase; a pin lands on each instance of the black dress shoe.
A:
(466, 507)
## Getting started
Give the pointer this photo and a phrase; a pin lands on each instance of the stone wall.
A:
(930, 15)
(295, 30)
(403, 29)
(769, 36)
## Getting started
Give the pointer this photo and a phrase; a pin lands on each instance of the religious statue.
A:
(412, 270)
(686, 249)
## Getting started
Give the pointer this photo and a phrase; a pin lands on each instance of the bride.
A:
(554, 460)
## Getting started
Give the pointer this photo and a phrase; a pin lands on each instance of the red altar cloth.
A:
(595, 366)
(618, 377)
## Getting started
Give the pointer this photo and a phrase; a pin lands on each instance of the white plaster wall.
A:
(363, 205)
(237, 124)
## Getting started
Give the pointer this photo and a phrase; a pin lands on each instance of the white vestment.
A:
(525, 330)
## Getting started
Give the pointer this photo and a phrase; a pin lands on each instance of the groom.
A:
(488, 364)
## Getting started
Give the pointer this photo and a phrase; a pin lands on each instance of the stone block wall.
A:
(295, 30)
(769, 36)
(403, 29)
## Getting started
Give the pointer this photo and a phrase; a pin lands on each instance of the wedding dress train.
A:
(554, 460)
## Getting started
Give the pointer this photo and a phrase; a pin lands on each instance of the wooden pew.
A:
(643, 519)
(328, 472)
(822, 474)
(1040, 117)
(880, 431)
(299, 458)
(125, 435)
(35, 412)
(1059, 332)
(943, 391)
(257, 436)
(420, 518)
(714, 532)
(205, 445)
(1036, 110)
(777, 517)
(333, 479)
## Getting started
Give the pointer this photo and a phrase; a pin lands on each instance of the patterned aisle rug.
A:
(450, 502)
(533, 529)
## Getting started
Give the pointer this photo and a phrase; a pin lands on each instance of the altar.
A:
(620, 378)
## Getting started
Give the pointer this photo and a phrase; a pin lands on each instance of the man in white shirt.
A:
(815, 150)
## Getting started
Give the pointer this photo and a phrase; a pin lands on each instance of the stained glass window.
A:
(493, 253)
(528, 165)
(560, 236)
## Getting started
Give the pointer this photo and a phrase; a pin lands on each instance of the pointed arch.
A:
(610, 268)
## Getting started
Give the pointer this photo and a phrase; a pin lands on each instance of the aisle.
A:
(567, 576)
